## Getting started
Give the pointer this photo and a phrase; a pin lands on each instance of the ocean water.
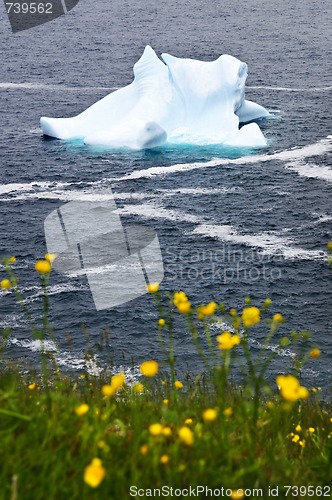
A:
(231, 223)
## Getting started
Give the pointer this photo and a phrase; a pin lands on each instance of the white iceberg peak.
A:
(183, 100)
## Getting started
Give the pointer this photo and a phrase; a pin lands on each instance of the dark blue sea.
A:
(230, 223)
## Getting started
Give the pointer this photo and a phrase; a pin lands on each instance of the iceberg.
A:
(172, 100)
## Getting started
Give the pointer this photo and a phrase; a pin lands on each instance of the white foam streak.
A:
(49, 87)
(310, 170)
(268, 243)
(289, 89)
(316, 149)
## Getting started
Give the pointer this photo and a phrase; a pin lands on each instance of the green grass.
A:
(45, 446)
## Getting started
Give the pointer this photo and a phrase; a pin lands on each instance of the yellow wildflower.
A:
(228, 412)
(167, 431)
(290, 388)
(94, 473)
(12, 260)
(180, 300)
(250, 316)
(31, 387)
(161, 322)
(296, 438)
(107, 390)
(210, 414)
(311, 430)
(329, 245)
(43, 266)
(82, 409)
(267, 302)
(302, 443)
(165, 401)
(188, 421)
(164, 459)
(117, 381)
(5, 284)
(227, 341)
(50, 257)
(186, 435)
(138, 387)
(237, 494)
(207, 310)
(278, 318)
(298, 428)
(144, 449)
(155, 429)
(152, 287)
(232, 312)
(178, 384)
(149, 368)
(184, 307)
(315, 353)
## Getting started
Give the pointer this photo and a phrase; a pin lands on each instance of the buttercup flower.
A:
(250, 316)
(207, 310)
(237, 494)
(138, 387)
(186, 435)
(155, 429)
(107, 390)
(5, 284)
(167, 431)
(152, 287)
(188, 421)
(298, 428)
(311, 430)
(210, 414)
(227, 341)
(164, 459)
(94, 473)
(43, 266)
(144, 449)
(278, 318)
(161, 322)
(31, 387)
(178, 384)
(315, 353)
(82, 410)
(117, 381)
(290, 388)
(180, 300)
(12, 260)
(50, 257)
(149, 368)
(296, 438)
(228, 412)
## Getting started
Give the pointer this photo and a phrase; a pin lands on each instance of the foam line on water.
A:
(289, 89)
(93, 366)
(316, 149)
(267, 242)
(49, 86)
(310, 170)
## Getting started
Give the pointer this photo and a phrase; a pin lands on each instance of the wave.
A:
(49, 86)
(267, 242)
(310, 170)
(93, 365)
(316, 149)
(289, 89)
